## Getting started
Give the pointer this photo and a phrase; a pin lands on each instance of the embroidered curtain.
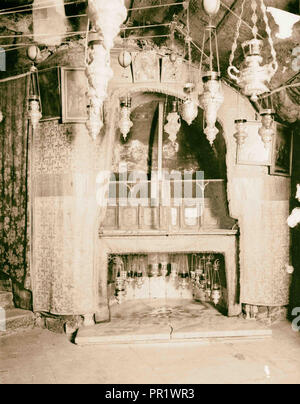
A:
(14, 211)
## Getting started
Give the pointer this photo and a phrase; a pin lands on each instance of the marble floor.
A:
(39, 356)
(169, 320)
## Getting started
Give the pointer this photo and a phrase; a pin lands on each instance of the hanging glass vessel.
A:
(212, 97)
(211, 7)
(267, 130)
(253, 78)
(131, 269)
(174, 123)
(216, 294)
(140, 275)
(216, 290)
(125, 59)
(241, 133)
(211, 101)
(34, 112)
(174, 271)
(120, 281)
(189, 111)
(184, 278)
(125, 123)
(34, 102)
(164, 269)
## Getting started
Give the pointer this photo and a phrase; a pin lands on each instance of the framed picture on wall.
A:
(49, 85)
(74, 95)
(254, 152)
(282, 153)
(146, 67)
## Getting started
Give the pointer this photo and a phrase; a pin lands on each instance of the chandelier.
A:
(212, 97)
(254, 77)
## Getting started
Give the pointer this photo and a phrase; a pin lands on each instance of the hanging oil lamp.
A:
(184, 273)
(140, 273)
(192, 270)
(199, 269)
(189, 108)
(254, 77)
(173, 123)
(125, 123)
(241, 134)
(174, 271)
(216, 294)
(212, 97)
(189, 111)
(34, 102)
(216, 290)
(34, 112)
(120, 282)
(164, 269)
(131, 270)
(211, 101)
(267, 130)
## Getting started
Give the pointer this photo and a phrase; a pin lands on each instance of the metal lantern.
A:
(241, 133)
(125, 59)
(267, 131)
(211, 7)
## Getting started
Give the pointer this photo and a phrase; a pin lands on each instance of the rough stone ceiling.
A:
(225, 22)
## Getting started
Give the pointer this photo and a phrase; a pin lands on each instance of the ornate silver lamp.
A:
(253, 78)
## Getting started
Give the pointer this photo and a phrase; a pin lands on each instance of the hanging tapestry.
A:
(14, 213)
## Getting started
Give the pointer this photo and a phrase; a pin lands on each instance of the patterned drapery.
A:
(14, 212)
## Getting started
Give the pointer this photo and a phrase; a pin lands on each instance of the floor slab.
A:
(168, 321)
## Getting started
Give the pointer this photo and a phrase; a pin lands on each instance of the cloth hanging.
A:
(14, 182)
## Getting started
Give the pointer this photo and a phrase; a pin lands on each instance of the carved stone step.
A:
(15, 319)
(6, 300)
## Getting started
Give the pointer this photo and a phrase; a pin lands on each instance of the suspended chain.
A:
(237, 34)
(269, 32)
(254, 18)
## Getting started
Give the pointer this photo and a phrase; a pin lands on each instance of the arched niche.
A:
(194, 151)
(140, 152)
